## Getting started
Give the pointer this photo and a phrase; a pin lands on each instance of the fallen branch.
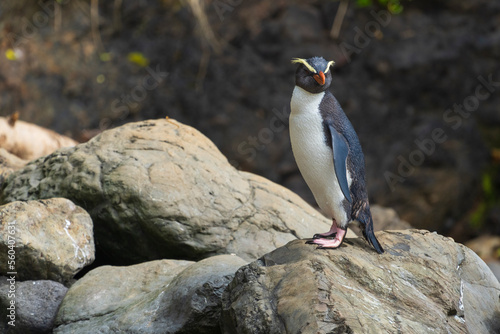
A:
(29, 141)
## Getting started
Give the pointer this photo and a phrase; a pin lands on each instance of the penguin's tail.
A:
(367, 221)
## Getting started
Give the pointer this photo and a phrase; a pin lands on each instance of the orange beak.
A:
(320, 78)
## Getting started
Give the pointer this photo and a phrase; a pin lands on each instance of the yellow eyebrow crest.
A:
(330, 63)
(304, 62)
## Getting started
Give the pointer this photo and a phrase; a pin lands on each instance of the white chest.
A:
(315, 158)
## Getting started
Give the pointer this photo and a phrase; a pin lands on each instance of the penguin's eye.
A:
(309, 72)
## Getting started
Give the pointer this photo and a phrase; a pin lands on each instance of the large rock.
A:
(47, 239)
(387, 219)
(424, 283)
(160, 189)
(35, 308)
(163, 296)
(487, 248)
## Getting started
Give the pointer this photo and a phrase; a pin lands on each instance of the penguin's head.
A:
(313, 74)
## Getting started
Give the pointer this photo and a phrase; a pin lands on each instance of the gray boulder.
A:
(163, 296)
(424, 283)
(47, 239)
(160, 189)
(35, 308)
(387, 219)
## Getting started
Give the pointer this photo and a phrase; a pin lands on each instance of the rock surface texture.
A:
(160, 189)
(424, 283)
(52, 239)
(164, 296)
(36, 304)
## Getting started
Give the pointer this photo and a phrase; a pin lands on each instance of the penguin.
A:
(328, 154)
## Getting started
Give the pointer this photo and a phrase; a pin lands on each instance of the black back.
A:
(332, 114)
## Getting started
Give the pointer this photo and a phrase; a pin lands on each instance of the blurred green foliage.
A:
(490, 197)
(105, 56)
(393, 6)
(10, 54)
(138, 58)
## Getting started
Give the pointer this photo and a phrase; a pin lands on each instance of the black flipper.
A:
(340, 152)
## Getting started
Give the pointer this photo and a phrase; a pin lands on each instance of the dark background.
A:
(80, 67)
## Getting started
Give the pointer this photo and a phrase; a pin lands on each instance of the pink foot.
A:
(329, 243)
(333, 231)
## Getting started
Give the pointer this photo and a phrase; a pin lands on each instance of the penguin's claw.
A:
(311, 242)
(324, 243)
(324, 235)
(332, 233)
